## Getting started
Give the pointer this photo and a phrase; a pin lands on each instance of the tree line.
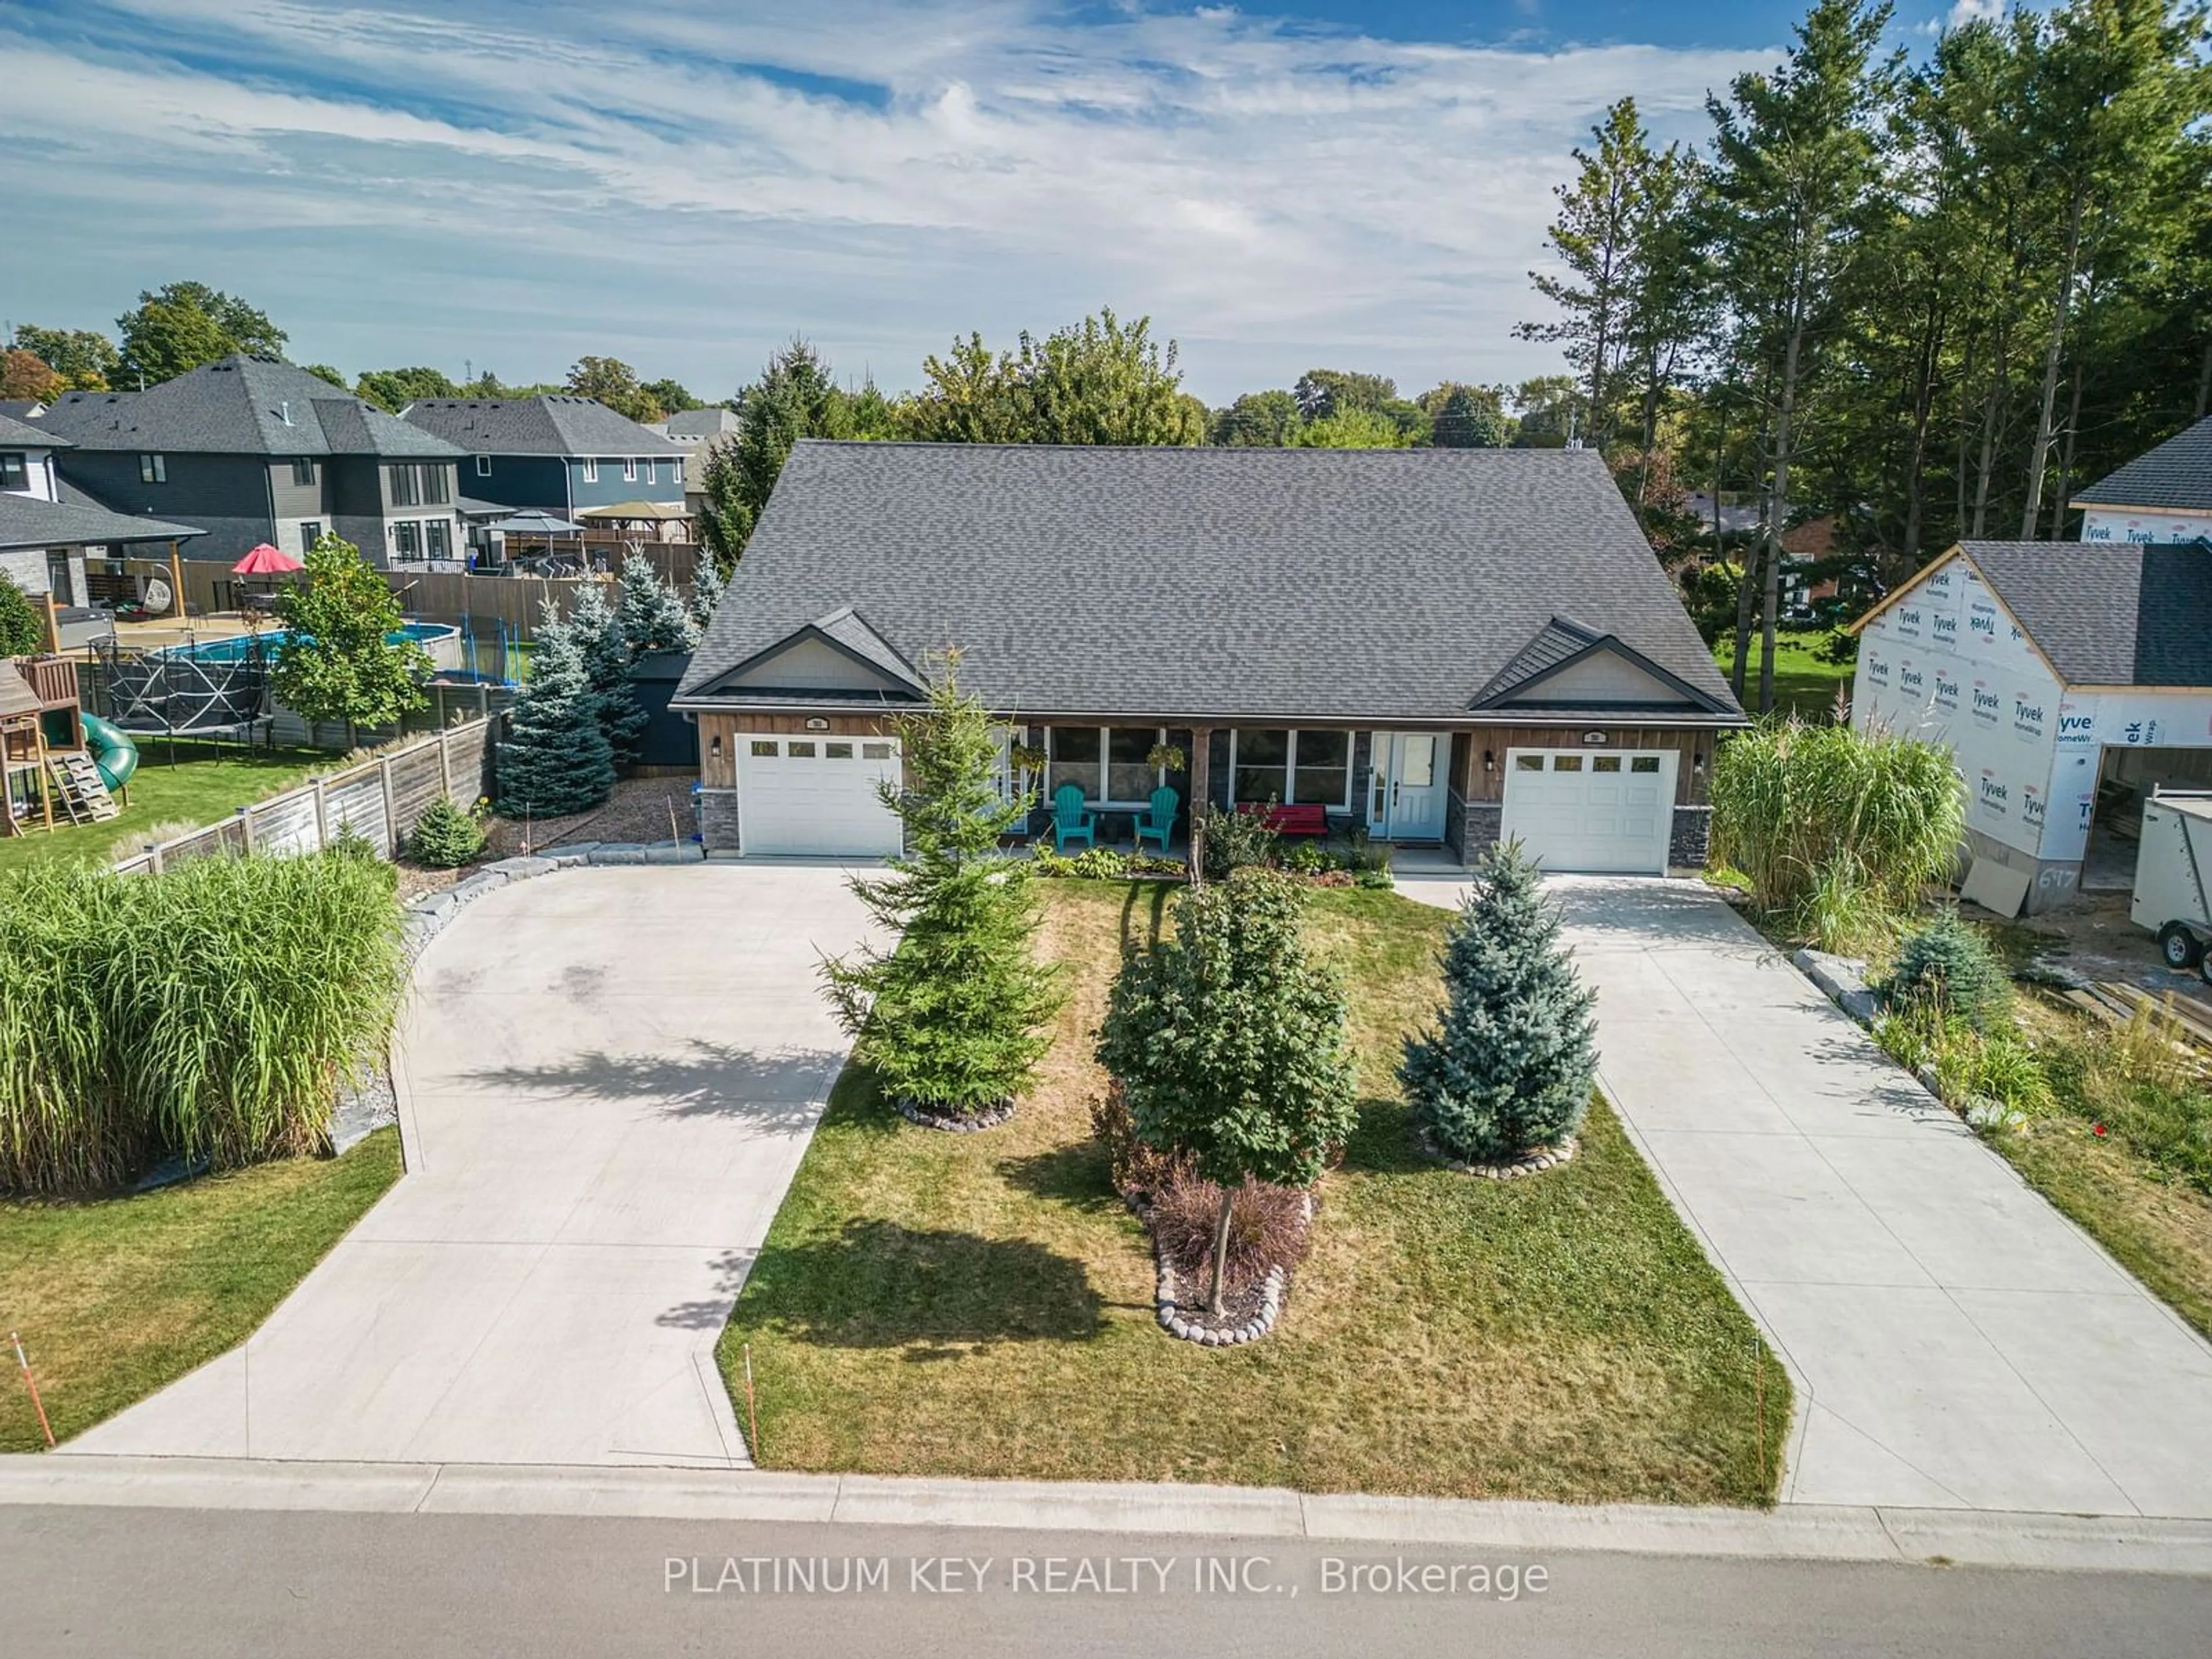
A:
(1922, 301)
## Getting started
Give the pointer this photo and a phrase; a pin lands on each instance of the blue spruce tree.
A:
(556, 759)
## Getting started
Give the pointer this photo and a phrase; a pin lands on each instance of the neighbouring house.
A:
(251, 449)
(2069, 679)
(2163, 495)
(57, 548)
(698, 431)
(554, 452)
(1441, 647)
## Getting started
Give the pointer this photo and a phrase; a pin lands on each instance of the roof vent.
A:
(284, 412)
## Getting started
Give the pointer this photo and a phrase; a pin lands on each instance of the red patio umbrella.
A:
(266, 561)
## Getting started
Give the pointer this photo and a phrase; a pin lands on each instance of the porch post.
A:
(1201, 797)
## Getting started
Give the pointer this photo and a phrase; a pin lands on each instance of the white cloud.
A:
(527, 182)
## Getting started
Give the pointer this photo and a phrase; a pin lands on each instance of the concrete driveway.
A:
(1957, 1343)
(607, 1078)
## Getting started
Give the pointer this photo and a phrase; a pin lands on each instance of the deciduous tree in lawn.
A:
(1229, 1043)
(556, 759)
(1511, 1066)
(345, 659)
(950, 1017)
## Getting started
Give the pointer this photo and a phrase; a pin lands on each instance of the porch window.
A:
(1127, 776)
(1321, 768)
(1074, 752)
(1261, 762)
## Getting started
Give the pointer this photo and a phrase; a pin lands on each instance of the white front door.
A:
(815, 796)
(1605, 811)
(1406, 798)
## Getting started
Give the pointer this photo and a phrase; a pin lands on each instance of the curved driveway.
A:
(607, 1078)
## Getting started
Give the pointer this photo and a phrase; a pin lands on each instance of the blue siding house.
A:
(554, 452)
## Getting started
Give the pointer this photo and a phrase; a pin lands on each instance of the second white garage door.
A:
(1605, 811)
(815, 796)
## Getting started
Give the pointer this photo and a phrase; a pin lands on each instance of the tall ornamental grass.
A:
(213, 1012)
(1837, 830)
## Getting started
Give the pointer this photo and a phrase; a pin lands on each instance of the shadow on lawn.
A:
(878, 1285)
(777, 1090)
(1074, 1174)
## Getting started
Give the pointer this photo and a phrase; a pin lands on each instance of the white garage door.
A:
(815, 796)
(1593, 809)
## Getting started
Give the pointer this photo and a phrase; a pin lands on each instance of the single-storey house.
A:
(1443, 646)
(2070, 679)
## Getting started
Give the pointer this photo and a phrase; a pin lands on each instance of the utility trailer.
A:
(2174, 878)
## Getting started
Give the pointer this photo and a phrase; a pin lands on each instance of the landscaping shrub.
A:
(1949, 965)
(1229, 1043)
(212, 1012)
(556, 759)
(22, 629)
(1137, 1170)
(1512, 1065)
(1268, 1227)
(950, 1018)
(1831, 824)
(1236, 841)
(445, 837)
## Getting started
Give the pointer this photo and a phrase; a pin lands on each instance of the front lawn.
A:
(198, 784)
(1804, 685)
(116, 1297)
(981, 1305)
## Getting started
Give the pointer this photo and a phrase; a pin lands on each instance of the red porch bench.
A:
(1290, 820)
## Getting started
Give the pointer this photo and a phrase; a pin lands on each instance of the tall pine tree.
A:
(1511, 1066)
(556, 759)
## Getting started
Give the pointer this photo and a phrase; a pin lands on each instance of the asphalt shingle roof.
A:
(238, 405)
(16, 432)
(2109, 613)
(1357, 584)
(27, 521)
(2176, 475)
(551, 424)
(692, 424)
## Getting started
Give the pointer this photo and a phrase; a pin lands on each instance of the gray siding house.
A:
(251, 449)
(554, 451)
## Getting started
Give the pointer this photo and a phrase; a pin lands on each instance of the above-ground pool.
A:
(431, 636)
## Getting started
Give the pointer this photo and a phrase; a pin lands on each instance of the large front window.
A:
(1313, 769)
(1107, 762)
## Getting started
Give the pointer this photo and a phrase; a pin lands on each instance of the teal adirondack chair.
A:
(1158, 823)
(1069, 821)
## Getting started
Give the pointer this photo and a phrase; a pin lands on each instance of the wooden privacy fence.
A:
(452, 596)
(379, 800)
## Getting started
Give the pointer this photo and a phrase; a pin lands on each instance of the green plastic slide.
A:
(111, 750)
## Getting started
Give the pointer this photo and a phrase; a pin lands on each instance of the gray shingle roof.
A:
(1330, 584)
(238, 405)
(551, 424)
(2109, 613)
(694, 423)
(2177, 475)
(27, 521)
(14, 432)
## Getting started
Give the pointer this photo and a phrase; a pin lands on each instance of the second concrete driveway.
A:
(607, 1078)
(1957, 1343)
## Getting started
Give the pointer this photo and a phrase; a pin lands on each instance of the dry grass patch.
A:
(981, 1305)
(116, 1297)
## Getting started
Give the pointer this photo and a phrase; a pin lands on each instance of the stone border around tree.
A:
(1168, 1302)
(1535, 1161)
(972, 1123)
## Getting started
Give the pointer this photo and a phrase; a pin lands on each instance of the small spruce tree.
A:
(949, 1017)
(1229, 1043)
(556, 759)
(707, 586)
(652, 614)
(607, 658)
(1512, 1066)
(445, 837)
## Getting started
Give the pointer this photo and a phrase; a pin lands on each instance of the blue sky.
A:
(513, 183)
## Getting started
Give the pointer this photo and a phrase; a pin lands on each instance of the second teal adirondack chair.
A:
(1158, 823)
(1069, 821)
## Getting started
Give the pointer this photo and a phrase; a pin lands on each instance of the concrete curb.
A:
(1805, 1532)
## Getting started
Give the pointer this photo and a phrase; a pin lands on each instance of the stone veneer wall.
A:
(718, 820)
(1690, 842)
